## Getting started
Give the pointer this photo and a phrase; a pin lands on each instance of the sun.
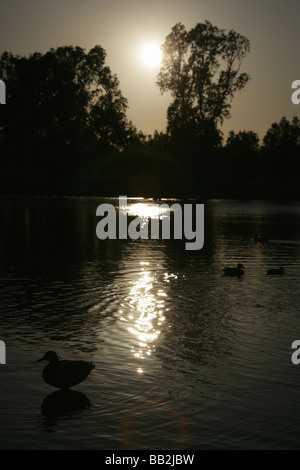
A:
(151, 55)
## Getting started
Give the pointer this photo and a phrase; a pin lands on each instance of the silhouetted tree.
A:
(159, 140)
(63, 108)
(240, 163)
(200, 69)
(241, 142)
(283, 136)
(281, 157)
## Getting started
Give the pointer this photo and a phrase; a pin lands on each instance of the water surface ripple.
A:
(186, 358)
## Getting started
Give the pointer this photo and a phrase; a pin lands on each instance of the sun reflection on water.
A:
(145, 305)
(146, 210)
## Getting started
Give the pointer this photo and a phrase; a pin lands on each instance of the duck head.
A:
(50, 356)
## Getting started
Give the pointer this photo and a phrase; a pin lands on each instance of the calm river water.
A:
(185, 357)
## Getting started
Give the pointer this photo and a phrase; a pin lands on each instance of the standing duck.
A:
(238, 271)
(275, 272)
(64, 374)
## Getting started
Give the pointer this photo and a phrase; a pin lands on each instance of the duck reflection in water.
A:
(64, 402)
(274, 272)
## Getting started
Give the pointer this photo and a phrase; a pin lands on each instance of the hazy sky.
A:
(121, 27)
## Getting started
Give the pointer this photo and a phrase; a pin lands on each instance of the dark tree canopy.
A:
(63, 106)
(201, 70)
(241, 158)
(281, 154)
(283, 136)
(64, 127)
(242, 142)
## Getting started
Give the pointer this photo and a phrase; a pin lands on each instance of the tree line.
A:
(64, 129)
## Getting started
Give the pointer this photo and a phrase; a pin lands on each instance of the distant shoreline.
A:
(109, 188)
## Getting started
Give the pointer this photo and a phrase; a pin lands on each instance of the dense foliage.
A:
(64, 129)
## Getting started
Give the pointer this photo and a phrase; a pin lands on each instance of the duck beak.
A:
(42, 359)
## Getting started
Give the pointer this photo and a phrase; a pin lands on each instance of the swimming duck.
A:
(258, 239)
(276, 271)
(64, 374)
(234, 271)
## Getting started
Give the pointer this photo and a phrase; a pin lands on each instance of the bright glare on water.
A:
(185, 357)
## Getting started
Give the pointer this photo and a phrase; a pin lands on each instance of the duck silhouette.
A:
(238, 271)
(64, 374)
(275, 272)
